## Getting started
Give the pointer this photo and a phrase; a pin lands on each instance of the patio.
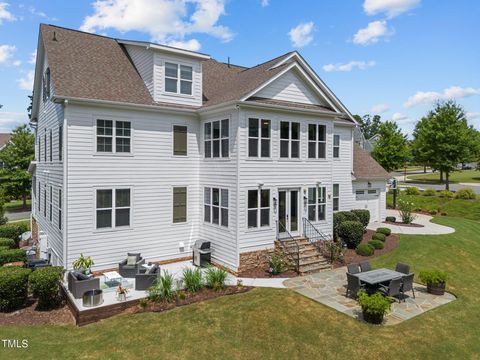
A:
(328, 288)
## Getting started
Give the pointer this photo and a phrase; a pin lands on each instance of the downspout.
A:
(65, 185)
(238, 186)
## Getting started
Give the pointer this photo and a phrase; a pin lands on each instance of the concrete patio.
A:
(328, 288)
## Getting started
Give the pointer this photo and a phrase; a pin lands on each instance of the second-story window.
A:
(51, 146)
(317, 141)
(216, 143)
(179, 140)
(258, 138)
(178, 78)
(336, 146)
(289, 139)
(113, 136)
(45, 144)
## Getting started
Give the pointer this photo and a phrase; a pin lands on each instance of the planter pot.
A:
(373, 318)
(436, 289)
(122, 297)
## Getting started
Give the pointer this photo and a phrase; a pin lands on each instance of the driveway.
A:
(18, 215)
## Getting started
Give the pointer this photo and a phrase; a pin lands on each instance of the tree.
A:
(443, 139)
(368, 125)
(16, 156)
(391, 150)
(30, 106)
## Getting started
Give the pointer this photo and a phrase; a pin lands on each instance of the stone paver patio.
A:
(328, 288)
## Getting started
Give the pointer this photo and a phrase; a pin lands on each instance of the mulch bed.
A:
(190, 298)
(351, 256)
(260, 272)
(402, 224)
(30, 316)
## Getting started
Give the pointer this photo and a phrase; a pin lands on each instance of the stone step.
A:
(310, 261)
(314, 268)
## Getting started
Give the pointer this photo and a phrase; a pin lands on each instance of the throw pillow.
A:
(152, 270)
(131, 259)
(137, 255)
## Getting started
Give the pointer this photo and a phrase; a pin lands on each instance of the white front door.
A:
(288, 211)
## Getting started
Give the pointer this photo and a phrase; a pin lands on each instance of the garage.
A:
(369, 199)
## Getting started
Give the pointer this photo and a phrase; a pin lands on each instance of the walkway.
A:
(328, 288)
(428, 228)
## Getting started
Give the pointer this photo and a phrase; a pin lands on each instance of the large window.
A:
(113, 135)
(336, 146)
(289, 139)
(258, 212)
(60, 209)
(178, 78)
(215, 206)
(317, 141)
(216, 143)
(60, 143)
(113, 208)
(179, 140)
(316, 203)
(51, 205)
(259, 137)
(179, 204)
(336, 197)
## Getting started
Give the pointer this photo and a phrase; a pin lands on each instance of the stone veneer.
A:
(259, 258)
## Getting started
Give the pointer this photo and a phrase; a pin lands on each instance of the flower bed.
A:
(261, 272)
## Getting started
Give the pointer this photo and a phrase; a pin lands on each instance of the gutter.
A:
(287, 108)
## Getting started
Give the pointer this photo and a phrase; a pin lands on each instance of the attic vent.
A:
(54, 36)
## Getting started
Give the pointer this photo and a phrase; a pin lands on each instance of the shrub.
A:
(9, 243)
(412, 190)
(162, 289)
(429, 192)
(193, 280)
(406, 211)
(13, 287)
(433, 277)
(13, 231)
(384, 230)
(377, 244)
(334, 251)
(216, 278)
(465, 194)
(374, 305)
(341, 216)
(12, 255)
(4, 248)
(365, 250)
(391, 219)
(446, 194)
(351, 233)
(433, 212)
(275, 265)
(379, 236)
(363, 216)
(45, 285)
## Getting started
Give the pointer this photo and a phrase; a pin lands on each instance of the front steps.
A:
(310, 258)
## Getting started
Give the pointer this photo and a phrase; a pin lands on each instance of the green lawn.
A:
(280, 324)
(468, 209)
(464, 176)
(17, 205)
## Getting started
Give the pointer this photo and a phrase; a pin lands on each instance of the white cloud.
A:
(301, 35)
(5, 14)
(372, 33)
(33, 57)
(398, 117)
(17, 63)
(6, 52)
(26, 82)
(10, 120)
(192, 45)
(379, 108)
(473, 115)
(164, 20)
(428, 97)
(362, 65)
(390, 8)
(265, 3)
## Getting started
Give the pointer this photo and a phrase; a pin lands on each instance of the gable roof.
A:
(365, 167)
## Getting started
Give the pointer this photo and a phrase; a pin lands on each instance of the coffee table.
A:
(112, 279)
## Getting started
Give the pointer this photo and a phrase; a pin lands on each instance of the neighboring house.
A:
(148, 148)
(4, 139)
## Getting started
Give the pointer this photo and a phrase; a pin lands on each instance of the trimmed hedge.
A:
(12, 255)
(384, 230)
(379, 236)
(377, 244)
(365, 250)
(446, 194)
(9, 243)
(13, 287)
(412, 190)
(45, 285)
(339, 217)
(13, 231)
(351, 233)
(363, 216)
(391, 219)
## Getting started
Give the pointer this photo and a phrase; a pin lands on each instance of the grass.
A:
(464, 176)
(467, 209)
(17, 205)
(281, 324)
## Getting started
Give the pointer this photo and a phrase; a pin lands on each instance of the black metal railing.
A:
(293, 248)
(312, 233)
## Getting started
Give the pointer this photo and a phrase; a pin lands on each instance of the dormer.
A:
(171, 75)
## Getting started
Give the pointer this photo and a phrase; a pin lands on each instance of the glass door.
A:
(288, 210)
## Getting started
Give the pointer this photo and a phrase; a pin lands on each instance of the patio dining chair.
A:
(365, 266)
(393, 289)
(407, 285)
(353, 268)
(403, 268)
(353, 285)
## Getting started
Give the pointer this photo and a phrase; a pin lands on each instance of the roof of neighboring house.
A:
(4, 139)
(365, 167)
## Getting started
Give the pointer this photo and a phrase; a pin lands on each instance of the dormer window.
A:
(178, 78)
(46, 85)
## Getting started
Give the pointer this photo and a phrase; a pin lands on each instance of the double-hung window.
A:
(51, 145)
(45, 201)
(60, 209)
(113, 208)
(178, 78)
(179, 140)
(317, 141)
(289, 139)
(51, 205)
(317, 203)
(45, 144)
(216, 142)
(258, 212)
(336, 146)
(336, 197)
(60, 143)
(179, 204)
(113, 136)
(259, 137)
(215, 206)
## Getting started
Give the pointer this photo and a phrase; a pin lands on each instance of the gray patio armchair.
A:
(402, 268)
(365, 266)
(407, 285)
(128, 269)
(79, 283)
(145, 278)
(353, 285)
(394, 288)
(353, 268)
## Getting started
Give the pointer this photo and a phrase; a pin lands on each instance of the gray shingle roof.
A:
(365, 167)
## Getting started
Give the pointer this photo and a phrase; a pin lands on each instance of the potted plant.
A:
(374, 307)
(435, 281)
(83, 262)
(122, 293)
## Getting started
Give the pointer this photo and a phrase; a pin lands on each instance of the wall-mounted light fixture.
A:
(274, 204)
(369, 184)
(260, 183)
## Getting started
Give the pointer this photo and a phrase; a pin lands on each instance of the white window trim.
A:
(113, 208)
(173, 141)
(114, 142)
(179, 64)
(335, 197)
(59, 209)
(186, 204)
(318, 203)
(336, 146)
(259, 227)
(317, 142)
(259, 139)
(220, 157)
(290, 140)
(220, 207)
(50, 205)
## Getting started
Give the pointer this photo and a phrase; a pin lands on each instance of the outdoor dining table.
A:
(378, 276)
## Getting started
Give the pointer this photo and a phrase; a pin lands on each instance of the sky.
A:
(394, 58)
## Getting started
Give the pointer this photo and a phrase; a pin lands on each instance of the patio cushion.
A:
(131, 260)
(81, 276)
(152, 270)
(134, 254)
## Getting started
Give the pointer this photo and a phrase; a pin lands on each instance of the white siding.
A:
(290, 87)
(143, 61)
(379, 185)
(342, 167)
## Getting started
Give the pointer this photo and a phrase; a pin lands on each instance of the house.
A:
(144, 147)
